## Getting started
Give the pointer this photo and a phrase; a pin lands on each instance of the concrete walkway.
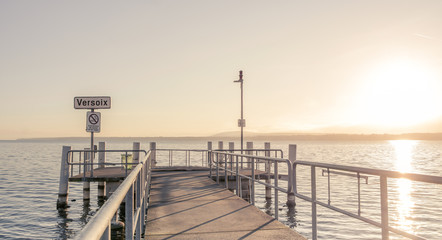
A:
(188, 205)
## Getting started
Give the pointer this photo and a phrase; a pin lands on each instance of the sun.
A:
(399, 93)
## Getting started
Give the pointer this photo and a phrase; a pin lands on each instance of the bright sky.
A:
(169, 66)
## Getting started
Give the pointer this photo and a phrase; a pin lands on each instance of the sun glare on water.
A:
(404, 157)
(399, 93)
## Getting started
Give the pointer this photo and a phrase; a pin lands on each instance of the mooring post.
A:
(153, 147)
(209, 158)
(220, 157)
(63, 189)
(136, 153)
(292, 177)
(249, 151)
(87, 184)
(101, 164)
(267, 169)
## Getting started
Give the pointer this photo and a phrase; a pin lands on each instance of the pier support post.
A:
(136, 153)
(87, 185)
(63, 189)
(220, 158)
(231, 150)
(249, 151)
(209, 157)
(292, 177)
(101, 164)
(153, 147)
(267, 169)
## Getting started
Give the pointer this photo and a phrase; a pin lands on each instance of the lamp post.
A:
(241, 122)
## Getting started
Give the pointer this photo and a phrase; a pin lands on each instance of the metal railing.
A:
(134, 190)
(231, 164)
(357, 171)
(84, 163)
(182, 157)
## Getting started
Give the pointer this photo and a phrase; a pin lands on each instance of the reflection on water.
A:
(404, 157)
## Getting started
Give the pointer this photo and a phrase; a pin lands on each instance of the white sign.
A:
(241, 123)
(92, 102)
(93, 122)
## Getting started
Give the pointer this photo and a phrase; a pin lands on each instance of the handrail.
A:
(88, 166)
(187, 159)
(379, 172)
(382, 174)
(100, 222)
(221, 158)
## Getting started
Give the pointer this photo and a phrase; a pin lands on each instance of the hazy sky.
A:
(169, 66)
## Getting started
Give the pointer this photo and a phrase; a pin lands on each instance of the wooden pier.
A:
(189, 205)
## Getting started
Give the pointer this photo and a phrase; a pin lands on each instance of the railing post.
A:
(252, 187)
(384, 208)
(129, 214)
(238, 179)
(63, 189)
(217, 167)
(138, 206)
(107, 233)
(226, 180)
(267, 170)
(209, 157)
(313, 192)
(276, 190)
(101, 164)
(153, 153)
(292, 177)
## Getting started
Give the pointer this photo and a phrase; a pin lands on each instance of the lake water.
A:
(29, 175)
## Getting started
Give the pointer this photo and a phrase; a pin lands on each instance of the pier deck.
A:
(189, 205)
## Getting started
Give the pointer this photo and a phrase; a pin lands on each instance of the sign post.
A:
(242, 121)
(93, 119)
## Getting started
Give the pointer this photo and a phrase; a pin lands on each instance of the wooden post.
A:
(136, 154)
(267, 169)
(153, 147)
(86, 184)
(63, 189)
(101, 164)
(292, 179)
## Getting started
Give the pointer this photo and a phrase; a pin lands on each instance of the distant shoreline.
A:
(256, 137)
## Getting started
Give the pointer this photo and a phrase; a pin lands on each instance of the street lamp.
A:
(242, 121)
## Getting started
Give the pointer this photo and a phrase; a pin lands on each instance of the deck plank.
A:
(189, 205)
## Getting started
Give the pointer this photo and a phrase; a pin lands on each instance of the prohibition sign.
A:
(94, 119)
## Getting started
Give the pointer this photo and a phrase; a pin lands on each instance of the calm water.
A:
(29, 175)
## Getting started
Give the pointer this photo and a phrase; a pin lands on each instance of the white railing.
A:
(357, 171)
(134, 190)
(234, 165)
(231, 166)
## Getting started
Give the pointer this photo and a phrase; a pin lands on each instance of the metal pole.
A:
(313, 192)
(92, 149)
(384, 208)
(242, 112)
(241, 81)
